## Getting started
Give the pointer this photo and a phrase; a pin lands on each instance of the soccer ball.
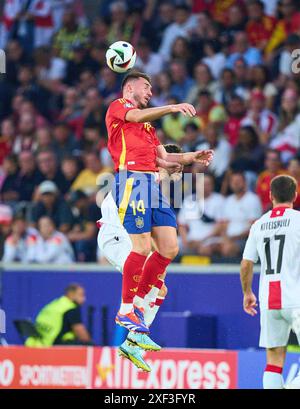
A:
(120, 56)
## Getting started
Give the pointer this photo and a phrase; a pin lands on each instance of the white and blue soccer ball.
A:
(120, 56)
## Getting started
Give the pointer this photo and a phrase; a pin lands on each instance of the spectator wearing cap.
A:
(84, 232)
(259, 26)
(70, 34)
(18, 242)
(242, 49)
(51, 246)
(240, 210)
(64, 141)
(86, 181)
(6, 217)
(264, 120)
(273, 167)
(181, 81)
(148, 61)
(287, 140)
(50, 204)
(184, 22)
(50, 170)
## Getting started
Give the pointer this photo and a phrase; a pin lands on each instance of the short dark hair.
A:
(72, 287)
(283, 188)
(173, 148)
(134, 75)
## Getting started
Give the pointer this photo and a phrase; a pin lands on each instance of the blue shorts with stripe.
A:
(140, 202)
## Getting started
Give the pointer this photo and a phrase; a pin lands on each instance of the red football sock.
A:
(131, 276)
(154, 266)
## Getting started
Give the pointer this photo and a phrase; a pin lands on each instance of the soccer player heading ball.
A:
(143, 211)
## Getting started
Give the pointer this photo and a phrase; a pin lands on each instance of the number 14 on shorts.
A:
(137, 207)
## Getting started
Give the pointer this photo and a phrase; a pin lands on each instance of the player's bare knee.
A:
(170, 251)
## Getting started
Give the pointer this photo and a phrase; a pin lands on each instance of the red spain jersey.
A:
(132, 145)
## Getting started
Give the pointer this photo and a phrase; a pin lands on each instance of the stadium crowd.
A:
(231, 59)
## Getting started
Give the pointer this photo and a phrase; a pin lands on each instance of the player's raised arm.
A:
(152, 114)
(204, 156)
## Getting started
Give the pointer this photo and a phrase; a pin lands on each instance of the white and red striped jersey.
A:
(275, 239)
(267, 122)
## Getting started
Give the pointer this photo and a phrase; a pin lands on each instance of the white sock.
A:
(295, 384)
(138, 301)
(151, 311)
(125, 308)
(272, 379)
(152, 295)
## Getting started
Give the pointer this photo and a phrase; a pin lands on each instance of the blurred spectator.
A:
(79, 63)
(70, 34)
(49, 168)
(204, 82)
(173, 124)
(28, 177)
(84, 232)
(60, 322)
(87, 178)
(181, 82)
(122, 25)
(248, 155)
(25, 139)
(9, 189)
(235, 22)
(294, 170)
(93, 110)
(15, 58)
(192, 137)
(208, 110)
(264, 120)
(228, 87)
(287, 140)
(273, 167)
(7, 134)
(288, 24)
(236, 110)
(162, 89)
(6, 217)
(215, 59)
(109, 86)
(285, 57)
(148, 61)
(260, 26)
(184, 22)
(44, 139)
(70, 169)
(222, 150)
(240, 210)
(50, 204)
(64, 142)
(251, 55)
(17, 244)
(198, 218)
(259, 79)
(51, 246)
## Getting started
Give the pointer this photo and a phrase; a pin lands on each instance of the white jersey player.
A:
(115, 244)
(275, 240)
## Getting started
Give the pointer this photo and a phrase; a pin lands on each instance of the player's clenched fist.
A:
(185, 109)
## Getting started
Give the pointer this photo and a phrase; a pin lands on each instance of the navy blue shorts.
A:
(140, 202)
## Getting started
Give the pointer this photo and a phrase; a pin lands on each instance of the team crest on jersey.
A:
(139, 222)
(128, 105)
